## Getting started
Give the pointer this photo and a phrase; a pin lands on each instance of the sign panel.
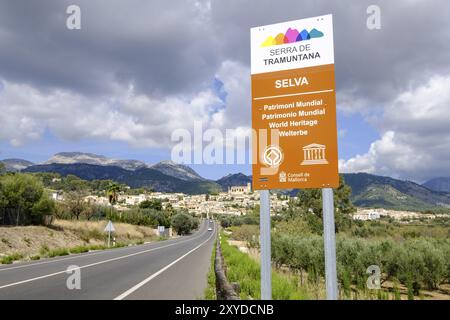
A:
(294, 105)
(109, 227)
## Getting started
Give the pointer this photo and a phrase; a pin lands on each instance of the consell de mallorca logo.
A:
(291, 36)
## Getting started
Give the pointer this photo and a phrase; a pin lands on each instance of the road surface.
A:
(171, 269)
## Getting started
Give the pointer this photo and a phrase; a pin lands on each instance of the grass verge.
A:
(247, 272)
(210, 291)
(45, 252)
(11, 258)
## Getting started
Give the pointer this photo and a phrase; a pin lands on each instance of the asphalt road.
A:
(171, 269)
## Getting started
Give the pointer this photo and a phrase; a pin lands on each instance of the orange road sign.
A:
(294, 105)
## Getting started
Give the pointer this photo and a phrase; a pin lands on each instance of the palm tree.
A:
(113, 193)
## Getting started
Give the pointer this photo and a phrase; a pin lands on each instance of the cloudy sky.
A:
(140, 69)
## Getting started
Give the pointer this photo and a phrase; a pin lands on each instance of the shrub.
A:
(11, 258)
(23, 200)
(58, 252)
(79, 249)
(183, 223)
(417, 263)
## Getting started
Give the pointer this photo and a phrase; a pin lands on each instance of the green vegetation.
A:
(384, 192)
(113, 192)
(228, 221)
(422, 263)
(57, 252)
(386, 196)
(246, 271)
(184, 223)
(210, 290)
(415, 256)
(23, 200)
(146, 178)
(155, 204)
(71, 182)
(11, 258)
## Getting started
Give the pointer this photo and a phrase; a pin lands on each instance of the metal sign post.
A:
(329, 241)
(109, 228)
(266, 267)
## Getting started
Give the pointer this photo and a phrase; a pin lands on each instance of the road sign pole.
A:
(109, 238)
(266, 267)
(329, 239)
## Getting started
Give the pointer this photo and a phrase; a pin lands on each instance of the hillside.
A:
(237, 179)
(369, 190)
(176, 170)
(438, 184)
(143, 177)
(29, 240)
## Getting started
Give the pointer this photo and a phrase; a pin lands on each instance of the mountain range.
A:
(16, 164)
(368, 190)
(438, 184)
(90, 158)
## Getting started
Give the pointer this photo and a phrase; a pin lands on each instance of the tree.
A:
(75, 203)
(22, 199)
(183, 223)
(310, 201)
(155, 204)
(73, 183)
(2, 168)
(157, 218)
(45, 206)
(90, 210)
(169, 211)
(113, 193)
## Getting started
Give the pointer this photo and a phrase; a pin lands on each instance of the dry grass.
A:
(28, 241)
(94, 230)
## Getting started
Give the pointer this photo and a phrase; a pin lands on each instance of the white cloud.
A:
(127, 115)
(26, 113)
(415, 135)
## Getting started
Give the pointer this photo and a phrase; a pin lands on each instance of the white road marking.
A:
(143, 282)
(94, 264)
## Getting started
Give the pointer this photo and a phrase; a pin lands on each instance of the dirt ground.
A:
(66, 234)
